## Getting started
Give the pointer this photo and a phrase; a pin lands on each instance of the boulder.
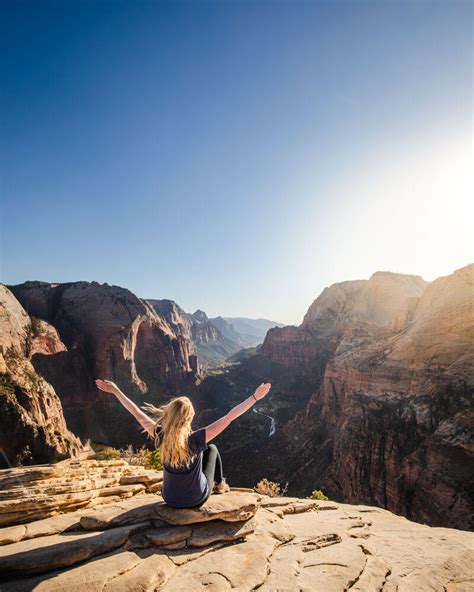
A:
(231, 507)
(38, 492)
(126, 512)
(51, 552)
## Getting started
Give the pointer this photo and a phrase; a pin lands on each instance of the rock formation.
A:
(236, 541)
(372, 396)
(42, 491)
(209, 343)
(107, 332)
(392, 422)
(32, 424)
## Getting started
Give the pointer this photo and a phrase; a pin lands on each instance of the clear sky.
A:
(235, 156)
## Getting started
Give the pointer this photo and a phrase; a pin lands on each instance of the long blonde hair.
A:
(172, 428)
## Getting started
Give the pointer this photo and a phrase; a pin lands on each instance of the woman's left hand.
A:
(262, 391)
(107, 386)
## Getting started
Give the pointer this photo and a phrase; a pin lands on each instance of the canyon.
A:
(371, 398)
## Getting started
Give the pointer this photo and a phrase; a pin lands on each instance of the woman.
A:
(190, 465)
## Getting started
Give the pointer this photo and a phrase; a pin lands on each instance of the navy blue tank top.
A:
(187, 487)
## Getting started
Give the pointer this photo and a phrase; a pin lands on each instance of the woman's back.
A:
(187, 487)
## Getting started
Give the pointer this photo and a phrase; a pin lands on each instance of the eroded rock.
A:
(131, 546)
(232, 507)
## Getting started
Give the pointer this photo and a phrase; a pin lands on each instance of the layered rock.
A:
(372, 397)
(107, 332)
(392, 421)
(236, 541)
(32, 424)
(36, 493)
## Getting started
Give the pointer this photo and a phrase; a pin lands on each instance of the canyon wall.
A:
(391, 422)
(372, 396)
(107, 332)
(32, 424)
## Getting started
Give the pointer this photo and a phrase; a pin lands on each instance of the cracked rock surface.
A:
(238, 541)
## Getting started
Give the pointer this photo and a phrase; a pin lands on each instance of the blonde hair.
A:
(172, 428)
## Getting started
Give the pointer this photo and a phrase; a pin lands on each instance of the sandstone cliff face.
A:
(32, 425)
(176, 317)
(372, 397)
(392, 421)
(107, 332)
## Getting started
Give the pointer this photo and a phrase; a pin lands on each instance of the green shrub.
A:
(103, 452)
(143, 457)
(154, 460)
(318, 495)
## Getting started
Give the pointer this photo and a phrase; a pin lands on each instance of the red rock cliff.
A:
(107, 332)
(32, 425)
(390, 421)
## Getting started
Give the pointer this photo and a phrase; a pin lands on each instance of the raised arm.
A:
(214, 429)
(110, 387)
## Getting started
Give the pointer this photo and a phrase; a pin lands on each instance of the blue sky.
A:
(235, 156)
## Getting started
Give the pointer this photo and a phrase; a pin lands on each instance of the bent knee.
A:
(212, 447)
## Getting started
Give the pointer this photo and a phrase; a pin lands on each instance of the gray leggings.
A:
(212, 465)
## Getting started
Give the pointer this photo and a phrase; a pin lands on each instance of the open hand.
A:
(262, 390)
(107, 386)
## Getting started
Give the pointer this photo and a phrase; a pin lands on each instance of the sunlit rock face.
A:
(392, 421)
(372, 396)
(106, 534)
(110, 333)
(32, 425)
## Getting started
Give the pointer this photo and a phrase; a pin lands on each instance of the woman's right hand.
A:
(107, 386)
(262, 390)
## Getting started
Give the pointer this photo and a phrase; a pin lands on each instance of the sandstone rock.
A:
(118, 571)
(37, 528)
(265, 521)
(334, 567)
(51, 552)
(127, 512)
(397, 555)
(147, 477)
(284, 568)
(111, 333)
(33, 428)
(298, 551)
(390, 419)
(205, 534)
(240, 567)
(33, 493)
(168, 535)
(231, 507)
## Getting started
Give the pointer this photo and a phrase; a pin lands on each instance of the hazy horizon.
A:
(235, 157)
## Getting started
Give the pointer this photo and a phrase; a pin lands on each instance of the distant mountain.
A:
(215, 340)
(210, 345)
(251, 331)
(228, 330)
